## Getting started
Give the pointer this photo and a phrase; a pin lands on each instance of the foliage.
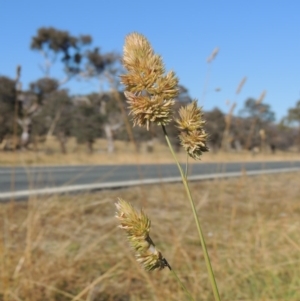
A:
(215, 126)
(55, 118)
(98, 62)
(257, 116)
(7, 106)
(258, 110)
(53, 42)
(294, 117)
(43, 87)
(87, 122)
(294, 113)
(45, 109)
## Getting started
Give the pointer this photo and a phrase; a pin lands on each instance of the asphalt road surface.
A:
(21, 182)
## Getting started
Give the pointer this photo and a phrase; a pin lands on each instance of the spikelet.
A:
(137, 227)
(193, 137)
(149, 91)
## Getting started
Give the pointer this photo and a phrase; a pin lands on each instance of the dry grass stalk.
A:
(213, 55)
(150, 95)
(240, 86)
(263, 136)
(226, 135)
(254, 246)
(255, 120)
(207, 77)
(225, 138)
(261, 97)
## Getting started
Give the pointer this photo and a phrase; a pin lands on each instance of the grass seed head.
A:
(213, 55)
(193, 137)
(146, 109)
(137, 227)
(261, 97)
(149, 91)
(190, 117)
(194, 143)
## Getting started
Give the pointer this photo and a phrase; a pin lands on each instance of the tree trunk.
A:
(25, 125)
(90, 146)
(109, 138)
(62, 141)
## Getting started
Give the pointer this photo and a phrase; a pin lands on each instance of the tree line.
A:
(30, 116)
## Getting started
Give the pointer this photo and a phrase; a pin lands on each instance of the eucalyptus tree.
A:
(8, 98)
(59, 44)
(80, 61)
(87, 121)
(105, 67)
(258, 116)
(215, 126)
(293, 117)
(55, 118)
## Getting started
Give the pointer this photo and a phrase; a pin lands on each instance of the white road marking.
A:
(98, 186)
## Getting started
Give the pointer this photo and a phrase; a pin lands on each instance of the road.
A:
(20, 182)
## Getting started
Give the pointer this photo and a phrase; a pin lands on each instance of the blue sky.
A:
(257, 39)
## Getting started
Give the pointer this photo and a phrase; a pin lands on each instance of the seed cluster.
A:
(149, 91)
(137, 227)
(151, 95)
(193, 137)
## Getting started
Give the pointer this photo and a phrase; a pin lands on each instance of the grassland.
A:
(69, 247)
(125, 153)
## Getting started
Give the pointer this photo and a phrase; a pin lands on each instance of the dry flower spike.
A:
(149, 91)
(193, 137)
(137, 227)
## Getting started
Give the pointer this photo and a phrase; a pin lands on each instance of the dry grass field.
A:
(69, 247)
(125, 153)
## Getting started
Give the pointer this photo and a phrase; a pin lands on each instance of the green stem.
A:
(201, 236)
(182, 285)
(187, 166)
